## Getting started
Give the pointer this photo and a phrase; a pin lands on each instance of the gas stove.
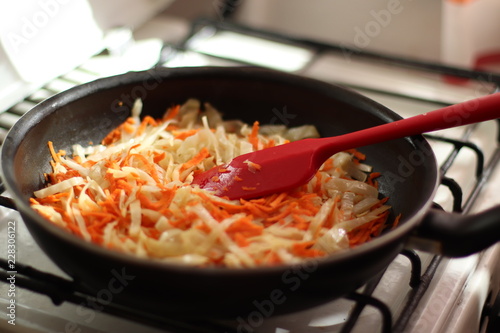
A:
(418, 292)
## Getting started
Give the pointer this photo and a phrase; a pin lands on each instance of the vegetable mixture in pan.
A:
(133, 193)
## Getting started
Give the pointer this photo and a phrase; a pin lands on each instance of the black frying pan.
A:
(86, 113)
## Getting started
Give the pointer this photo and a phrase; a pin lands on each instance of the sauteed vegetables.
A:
(132, 193)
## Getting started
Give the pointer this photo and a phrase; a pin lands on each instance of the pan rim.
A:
(50, 105)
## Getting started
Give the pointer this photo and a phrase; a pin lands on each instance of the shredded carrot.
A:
(371, 179)
(144, 164)
(254, 167)
(318, 189)
(249, 188)
(279, 198)
(305, 250)
(271, 143)
(116, 134)
(273, 259)
(381, 202)
(145, 122)
(328, 165)
(358, 155)
(372, 229)
(204, 153)
(138, 200)
(253, 137)
(172, 113)
(396, 221)
(55, 156)
(183, 135)
(205, 228)
(158, 157)
(244, 227)
(241, 240)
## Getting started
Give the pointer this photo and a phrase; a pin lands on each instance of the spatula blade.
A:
(263, 172)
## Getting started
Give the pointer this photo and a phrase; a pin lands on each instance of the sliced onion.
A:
(59, 187)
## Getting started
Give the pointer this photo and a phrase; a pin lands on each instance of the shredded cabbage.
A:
(132, 193)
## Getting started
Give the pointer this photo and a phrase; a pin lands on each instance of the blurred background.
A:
(41, 39)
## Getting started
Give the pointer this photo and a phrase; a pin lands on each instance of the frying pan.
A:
(88, 112)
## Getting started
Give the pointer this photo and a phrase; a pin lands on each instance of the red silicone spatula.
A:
(290, 165)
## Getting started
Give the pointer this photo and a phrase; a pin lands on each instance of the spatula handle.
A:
(472, 111)
(468, 112)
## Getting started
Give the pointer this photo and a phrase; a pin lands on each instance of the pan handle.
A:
(457, 235)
